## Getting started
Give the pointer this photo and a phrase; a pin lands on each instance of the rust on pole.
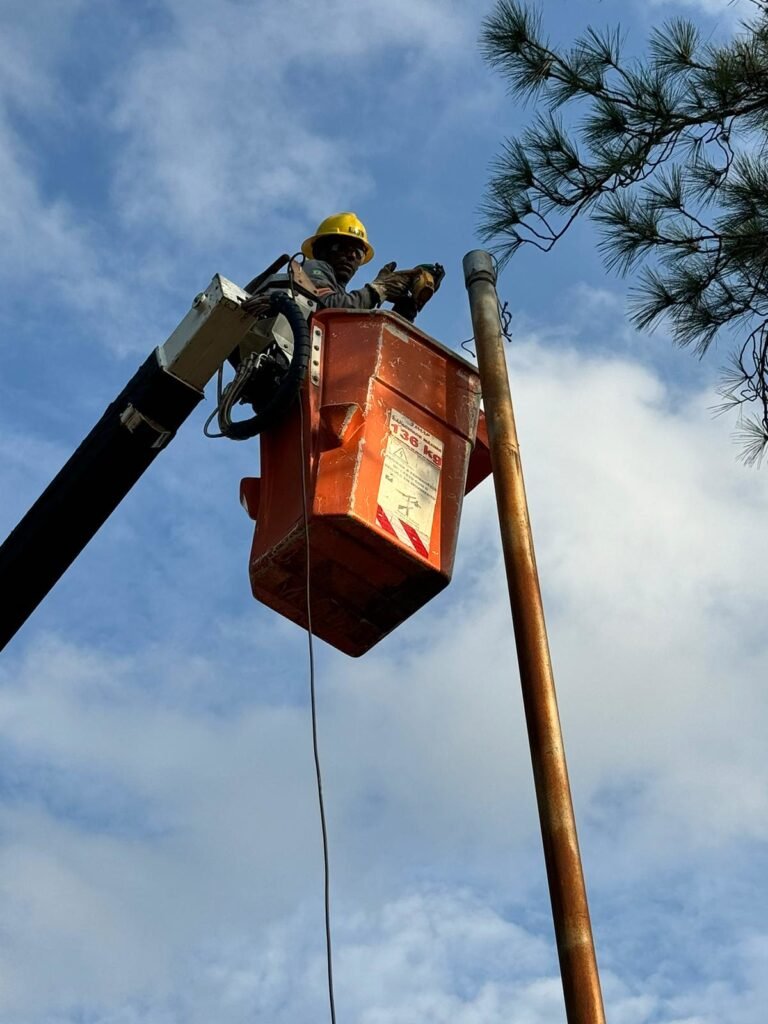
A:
(570, 910)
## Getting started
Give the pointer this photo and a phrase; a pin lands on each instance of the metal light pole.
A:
(570, 910)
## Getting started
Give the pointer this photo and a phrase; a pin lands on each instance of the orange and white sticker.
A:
(410, 478)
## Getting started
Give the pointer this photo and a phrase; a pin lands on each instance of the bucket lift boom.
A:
(134, 429)
(227, 322)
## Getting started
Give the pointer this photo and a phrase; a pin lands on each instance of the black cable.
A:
(465, 345)
(505, 321)
(285, 387)
(315, 750)
(505, 317)
(291, 283)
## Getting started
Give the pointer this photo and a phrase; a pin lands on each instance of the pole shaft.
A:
(570, 910)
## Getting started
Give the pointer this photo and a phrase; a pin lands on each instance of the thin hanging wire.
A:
(313, 703)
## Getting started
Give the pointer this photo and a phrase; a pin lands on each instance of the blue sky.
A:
(160, 856)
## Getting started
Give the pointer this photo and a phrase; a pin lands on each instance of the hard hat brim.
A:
(308, 245)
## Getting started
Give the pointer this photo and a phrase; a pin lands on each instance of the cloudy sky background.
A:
(160, 856)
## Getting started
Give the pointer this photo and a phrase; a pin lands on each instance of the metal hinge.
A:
(133, 420)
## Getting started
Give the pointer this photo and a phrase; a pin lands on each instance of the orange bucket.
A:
(390, 423)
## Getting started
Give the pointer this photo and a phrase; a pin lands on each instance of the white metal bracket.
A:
(317, 348)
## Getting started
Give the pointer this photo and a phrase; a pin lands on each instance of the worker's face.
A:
(344, 254)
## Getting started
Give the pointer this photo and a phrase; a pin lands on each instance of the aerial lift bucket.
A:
(389, 446)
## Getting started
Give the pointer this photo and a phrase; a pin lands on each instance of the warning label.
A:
(410, 479)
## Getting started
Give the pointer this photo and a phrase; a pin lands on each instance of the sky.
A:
(160, 854)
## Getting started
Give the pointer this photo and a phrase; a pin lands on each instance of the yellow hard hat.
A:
(340, 224)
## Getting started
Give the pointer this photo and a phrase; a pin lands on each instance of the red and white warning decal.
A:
(410, 478)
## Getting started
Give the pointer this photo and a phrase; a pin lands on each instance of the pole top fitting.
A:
(479, 266)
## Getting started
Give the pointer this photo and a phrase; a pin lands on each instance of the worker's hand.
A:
(391, 284)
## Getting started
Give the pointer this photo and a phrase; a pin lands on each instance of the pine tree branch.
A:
(661, 139)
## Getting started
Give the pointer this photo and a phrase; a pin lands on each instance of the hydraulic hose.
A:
(277, 404)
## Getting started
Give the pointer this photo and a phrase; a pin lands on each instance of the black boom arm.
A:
(133, 431)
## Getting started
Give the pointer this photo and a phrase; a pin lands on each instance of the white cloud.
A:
(217, 137)
(160, 856)
(31, 38)
(42, 240)
(649, 555)
(184, 811)
(242, 118)
(55, 260)
(735, 10)
(438, 955)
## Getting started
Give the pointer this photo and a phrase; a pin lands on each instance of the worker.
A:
(336, 252)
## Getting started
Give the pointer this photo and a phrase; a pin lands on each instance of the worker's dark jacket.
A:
(336, 297)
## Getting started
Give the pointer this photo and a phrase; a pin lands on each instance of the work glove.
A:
(390, 284)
